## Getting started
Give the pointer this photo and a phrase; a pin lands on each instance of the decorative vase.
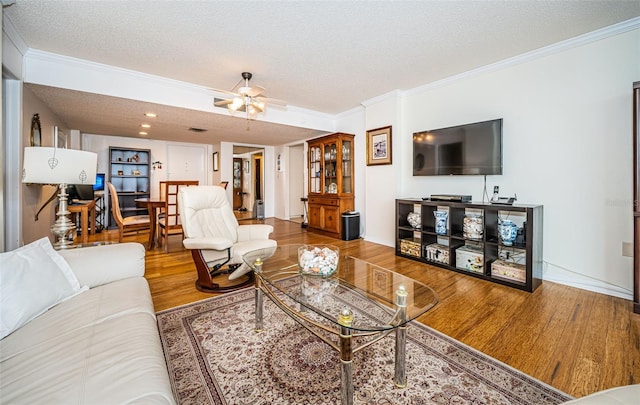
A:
(508, 232)
(472, 227)
(414, 219)
(441, 222)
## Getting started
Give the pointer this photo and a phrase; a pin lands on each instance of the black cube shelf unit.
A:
(524, 255)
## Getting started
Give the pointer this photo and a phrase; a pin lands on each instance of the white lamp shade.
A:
(59, 166)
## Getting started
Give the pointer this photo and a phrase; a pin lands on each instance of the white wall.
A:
(382, 181)
(353, 122)
(567, 145)
(281, 182)
(293, 163)
(11, 191)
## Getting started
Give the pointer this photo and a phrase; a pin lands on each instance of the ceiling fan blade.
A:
(223, 102)
(254, 91)
(223, 91)
(272, 101)
(257, 107)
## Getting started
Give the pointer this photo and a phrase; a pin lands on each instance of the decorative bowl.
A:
(318, 260)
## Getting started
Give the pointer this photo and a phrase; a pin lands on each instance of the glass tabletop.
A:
(372, 293)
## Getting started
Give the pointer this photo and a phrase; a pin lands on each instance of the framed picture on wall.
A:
(215, 161)
(379, 146)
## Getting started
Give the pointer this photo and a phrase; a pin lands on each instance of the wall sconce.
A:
(156, 165)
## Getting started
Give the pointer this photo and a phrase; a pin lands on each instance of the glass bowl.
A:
(318, 260)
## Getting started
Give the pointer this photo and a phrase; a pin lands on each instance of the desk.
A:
(153, 206)
(85, 209)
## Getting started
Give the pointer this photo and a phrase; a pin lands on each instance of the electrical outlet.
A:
(627, 249)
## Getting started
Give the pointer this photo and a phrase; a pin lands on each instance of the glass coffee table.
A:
(360, 303)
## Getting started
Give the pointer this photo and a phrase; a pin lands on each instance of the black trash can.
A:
(258, 209)
(350, 225)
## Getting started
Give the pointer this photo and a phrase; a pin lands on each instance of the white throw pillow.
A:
(33, 279)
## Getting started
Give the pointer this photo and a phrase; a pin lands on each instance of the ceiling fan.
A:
(250, 99)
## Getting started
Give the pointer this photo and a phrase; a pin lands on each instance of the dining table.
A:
(153, 207)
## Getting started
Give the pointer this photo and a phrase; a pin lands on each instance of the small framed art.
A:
(379, 146)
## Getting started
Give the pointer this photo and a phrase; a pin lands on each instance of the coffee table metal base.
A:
(346, 334)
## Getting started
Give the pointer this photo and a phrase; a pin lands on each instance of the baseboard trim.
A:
(559, 275)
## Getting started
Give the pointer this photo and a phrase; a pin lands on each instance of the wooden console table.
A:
(87, 211)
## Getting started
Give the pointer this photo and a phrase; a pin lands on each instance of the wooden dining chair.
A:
(126, 224)
(169, 218)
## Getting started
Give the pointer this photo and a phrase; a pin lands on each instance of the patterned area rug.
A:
(215, 357)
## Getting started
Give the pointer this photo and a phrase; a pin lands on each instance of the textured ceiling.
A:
(327, 56)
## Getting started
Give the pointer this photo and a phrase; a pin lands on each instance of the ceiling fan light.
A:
(236, 104)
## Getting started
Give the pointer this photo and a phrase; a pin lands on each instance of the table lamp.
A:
(60, 167)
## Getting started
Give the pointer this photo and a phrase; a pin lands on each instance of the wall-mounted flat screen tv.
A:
(464, 149)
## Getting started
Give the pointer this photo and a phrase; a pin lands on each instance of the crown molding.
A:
(348, 113)
(100, 68)
(575, 42)
(382, 97)
(12, 34)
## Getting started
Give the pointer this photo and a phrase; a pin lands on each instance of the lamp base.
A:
(62, 231)
(63, 227)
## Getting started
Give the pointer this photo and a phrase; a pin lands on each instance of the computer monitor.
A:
(99, 184)
(82, 192)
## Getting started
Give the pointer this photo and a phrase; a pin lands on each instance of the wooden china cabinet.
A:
(330, 161)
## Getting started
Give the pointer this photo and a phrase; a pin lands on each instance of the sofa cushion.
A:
(117, 361)
(33, 279)
(85, 310)
(98, 265)
(101, 347)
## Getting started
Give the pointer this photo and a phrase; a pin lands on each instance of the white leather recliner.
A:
(212, 233)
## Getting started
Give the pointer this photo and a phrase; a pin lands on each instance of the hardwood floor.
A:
(575, 340)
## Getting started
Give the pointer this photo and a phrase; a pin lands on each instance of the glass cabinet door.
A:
(330, 168)
(346, 167)
(315, 169)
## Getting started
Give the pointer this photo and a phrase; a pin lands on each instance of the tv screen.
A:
(99, 184)
(464, 149)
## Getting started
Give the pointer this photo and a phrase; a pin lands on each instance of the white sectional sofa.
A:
(99, 347)
(625, 395)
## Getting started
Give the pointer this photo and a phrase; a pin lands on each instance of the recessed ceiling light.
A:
(145, 126)
(152, 115)
(142, 133)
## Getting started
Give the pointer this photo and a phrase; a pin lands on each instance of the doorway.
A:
(248, 176)
(238, 192)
